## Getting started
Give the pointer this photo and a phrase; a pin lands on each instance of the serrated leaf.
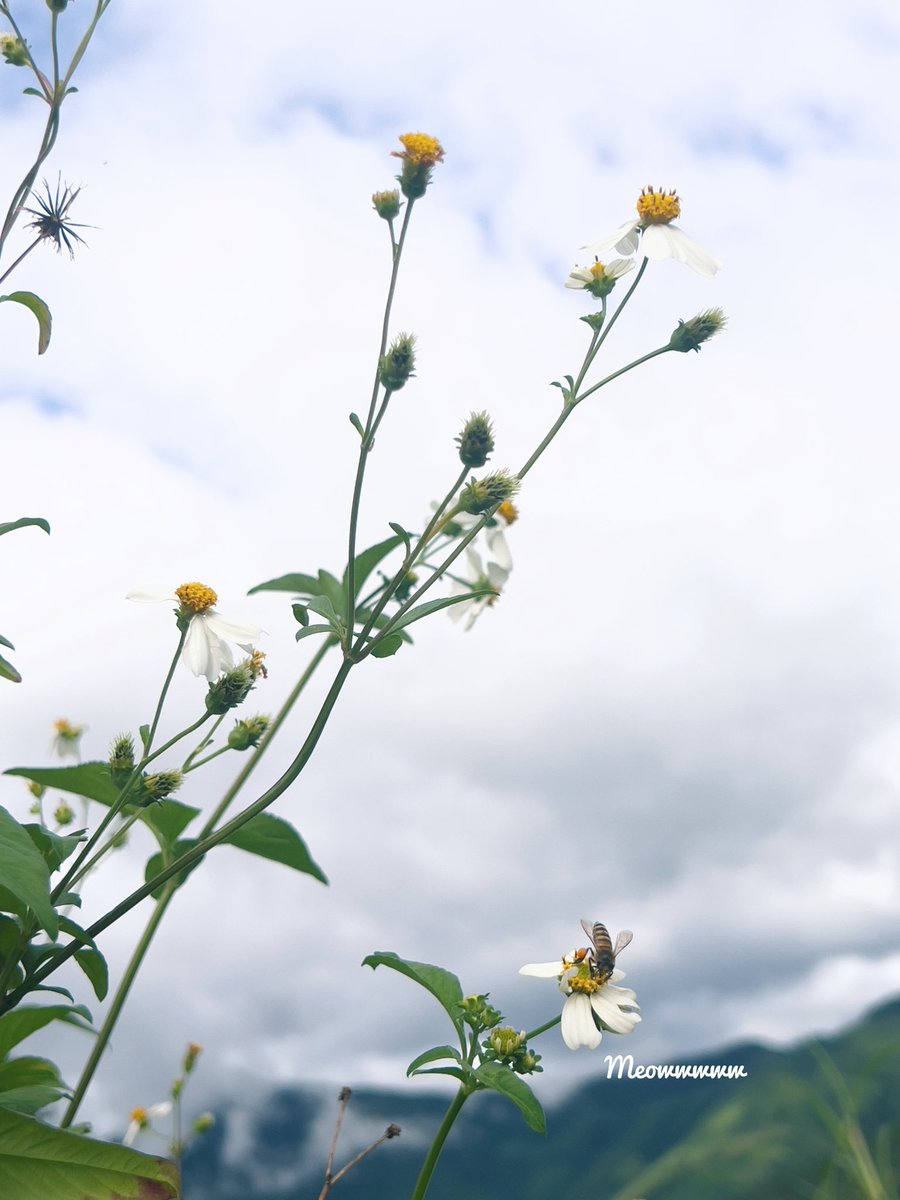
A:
(388, 647)
(366, 562)
(271, 837)
(443, 985)
(38, 1162)
(41, 312)
(22, 1022)
(90, 779)
(24, 873)
(22, 523)
(501, 1079)
(434, 1055)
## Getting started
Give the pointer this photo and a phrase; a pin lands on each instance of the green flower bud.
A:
(64, 814)
(203, 1123)
(396, 366)
(525, 1062)
(481, 494)
(387, 204)
(505, 1040)
(479, 1014)
(691, 334)
(231, 689)
(121, 758)
(57, 5)
(476, 440)
(155, 788)
(13, 50)
(248, 733)
(37, 789)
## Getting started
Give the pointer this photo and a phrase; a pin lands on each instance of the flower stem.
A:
(437, 1145)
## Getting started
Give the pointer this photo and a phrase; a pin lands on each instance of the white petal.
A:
(577, 1025)
(625, 240)
(196, 654)
(668, 241)
(244, 636)
(610, 1013)
(551, 970)
(579, 277)
(131, 1133)
(499, 548)
(619, 267)
(151, 595)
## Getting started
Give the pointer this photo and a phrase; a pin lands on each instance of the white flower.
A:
(493, 576)
(599, 278)
(206, 650)
(587, 998)
(141, 1118)
(657, 236)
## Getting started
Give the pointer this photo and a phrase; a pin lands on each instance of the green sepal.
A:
(25, 875)
(40, 310)
(501, 1079)
(272, 837)
(38, 1161)
(443, 985)
(22, 523)
(434, 1055)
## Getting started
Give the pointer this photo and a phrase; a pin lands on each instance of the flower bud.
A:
(155, 788)
(248, 733)
(691, 334)
(57, 6)
(420, 153)
(191, 1055)
(476, 440)
(37, 789)
(64, 814)
(121, 758)
(387, 204)
(505, 1039)
(396, 366)
(481, 494)
(13, 50)
(231, 688)
(203, 1123)
(479, 1014)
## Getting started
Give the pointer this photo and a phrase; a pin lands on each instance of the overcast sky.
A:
(683, 717)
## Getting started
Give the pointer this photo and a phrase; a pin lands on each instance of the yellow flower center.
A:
(65, 729)
(658, 208)
(256, 663)
(508, 512)
(196, 596)
(140, 1116)
(421, 149)
(577, 983)
(598, 270)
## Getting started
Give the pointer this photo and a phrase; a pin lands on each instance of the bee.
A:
(602, 954)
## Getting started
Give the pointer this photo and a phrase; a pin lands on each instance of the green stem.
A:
(115, 1007)
(24, 254)
(622, 370)
(438, 1144)
(543, 1028)
(165, 688)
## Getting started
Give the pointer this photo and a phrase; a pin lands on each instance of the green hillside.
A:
(764, 1137)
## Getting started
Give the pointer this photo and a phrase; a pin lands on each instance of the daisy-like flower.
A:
(206, 650)
(591, 1003)
(657, 236)
(141, 1119)
(600, 278)
(494, 575)
(66, 738)
(421, 149)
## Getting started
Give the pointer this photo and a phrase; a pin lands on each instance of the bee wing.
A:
(588, 927)
(622, 941)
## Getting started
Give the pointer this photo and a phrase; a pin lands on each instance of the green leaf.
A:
(443, 985)
(7, 670)
(501, 1079)
(88, 958)
(169, 819)
(157, 863)
(30, 91)
(40, 310)
(433, 1055)
(26, 1085)
(24, 873)
(388, 647)
(9, 526)
(271, 837)
(366, 562)
(27, 1019)
(402, 534)
(430, 606)
(324, 607)
(300, 585)
(310, 630)
(39, 1162)
(90, 779)
(357, 424)
(54, 848)
(301, 613)
(6, 642)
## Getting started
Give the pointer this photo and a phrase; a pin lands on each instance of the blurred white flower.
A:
(141, 1119)
(657, 236)
(206, 650)
(479, 576)
(599, 278)
(587, 998)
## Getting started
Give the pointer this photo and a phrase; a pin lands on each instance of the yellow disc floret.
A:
(579, 983)
(140, 1116)
(658, 208)
(508, 512)
(196, 597)
(421, 149)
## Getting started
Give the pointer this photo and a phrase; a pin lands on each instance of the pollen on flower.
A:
(420, 149)
(508, 512)
(579, 983)
(658, 208)
(196, 597)
(139, 1115)
(256, 664)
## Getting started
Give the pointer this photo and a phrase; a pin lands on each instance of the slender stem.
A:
(438, 1144)
(24, 254)
(343, 1101)
(543, 1028)
(622, 370)
(115, 1007)
(165, 688)
(202, 744)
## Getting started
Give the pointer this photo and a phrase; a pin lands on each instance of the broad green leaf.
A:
(40, 310)
(39, 1162)
(156, 863)
(9, 526)
(24, 873)
(26, 1085)
(7, 670)
(366, 562)
(455, 1072)
(443, 985)
(22, 1022)
(501, 1079)
(431, 606)
(88, 958)
(324, 607)
(54, 848)
(388, 647)
(91, 779)
(300, 585)
(434, 1055)
(169, 819)
(311, 630)
(270, 837)
(327, 585)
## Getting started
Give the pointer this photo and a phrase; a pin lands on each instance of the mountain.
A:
(763, 1137)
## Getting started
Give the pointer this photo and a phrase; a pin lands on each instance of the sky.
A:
(683, 715)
